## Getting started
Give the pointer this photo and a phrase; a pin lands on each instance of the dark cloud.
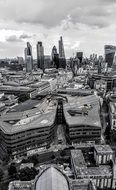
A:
(77, 20)
(13, 38)
(25, 36)
(51, 14)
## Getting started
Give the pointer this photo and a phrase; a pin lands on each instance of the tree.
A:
(63, 153)
(27, 174)
(12, 169)
(33, 159)
(1, 174)
(53, 157)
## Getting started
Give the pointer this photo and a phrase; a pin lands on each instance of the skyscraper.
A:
(62, 60)
(29, 65)
(29, 49)
(28, 57)
(55, 57)
(54, 52)
(40, 55)
(109, 54)
(61, 48)
(100, 63)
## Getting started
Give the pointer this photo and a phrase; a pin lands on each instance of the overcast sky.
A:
(86, 25)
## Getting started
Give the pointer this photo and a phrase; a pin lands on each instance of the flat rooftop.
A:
(82, 111)
(103, 149)
(79, 92)
(27, 105)
(102, 170)
(40, 117)
(82, 169)
(16, 185)
(39, 84)
(15, 88)
(78, 158)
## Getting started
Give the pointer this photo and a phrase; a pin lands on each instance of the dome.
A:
(52, 179)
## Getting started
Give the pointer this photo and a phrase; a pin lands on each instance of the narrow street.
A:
(60, 136)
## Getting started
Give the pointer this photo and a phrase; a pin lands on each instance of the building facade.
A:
(40, 55)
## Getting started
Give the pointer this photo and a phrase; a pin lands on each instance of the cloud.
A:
(53, 13)
(13, 38)
(80, 21)
(25, 36)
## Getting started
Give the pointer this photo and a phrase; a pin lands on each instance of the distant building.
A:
(20, 60)
(109, 54)
(62, 60)
(28, 57)
(61, 48)
(74, 64)
(109, 80)
(55, 57)
(54, 52)
(56, 61)
(79, 55)
(47, 61)
(29, 64)
(40, 55)
(100, 62)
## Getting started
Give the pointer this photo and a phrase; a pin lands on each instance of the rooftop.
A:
(76, 91)
(23, 185)
(82, 169)
(82, 111)
(102, 170)
(15, 88)
(27, 105)
(78, 158)
(42, 116)
(39, 84)
(103, 149)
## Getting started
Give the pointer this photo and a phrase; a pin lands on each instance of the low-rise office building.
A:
(103, 154)
(21, 131)
(82, 119)
(19, 90)
(102, 175)
(108, 81)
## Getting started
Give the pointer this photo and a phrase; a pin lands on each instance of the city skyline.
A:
(84, 26)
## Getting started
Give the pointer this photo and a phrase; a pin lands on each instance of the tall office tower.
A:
(74, 64)
(61, 48)
(62, 60)
(40, 55)
(29, 65)
(29, 49)
(54, 52)
(28, 57)
(25, 54)
(109, 54)
(55, 57)
(79, 55)
(100, 64)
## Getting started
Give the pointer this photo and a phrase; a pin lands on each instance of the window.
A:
(114, 122)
